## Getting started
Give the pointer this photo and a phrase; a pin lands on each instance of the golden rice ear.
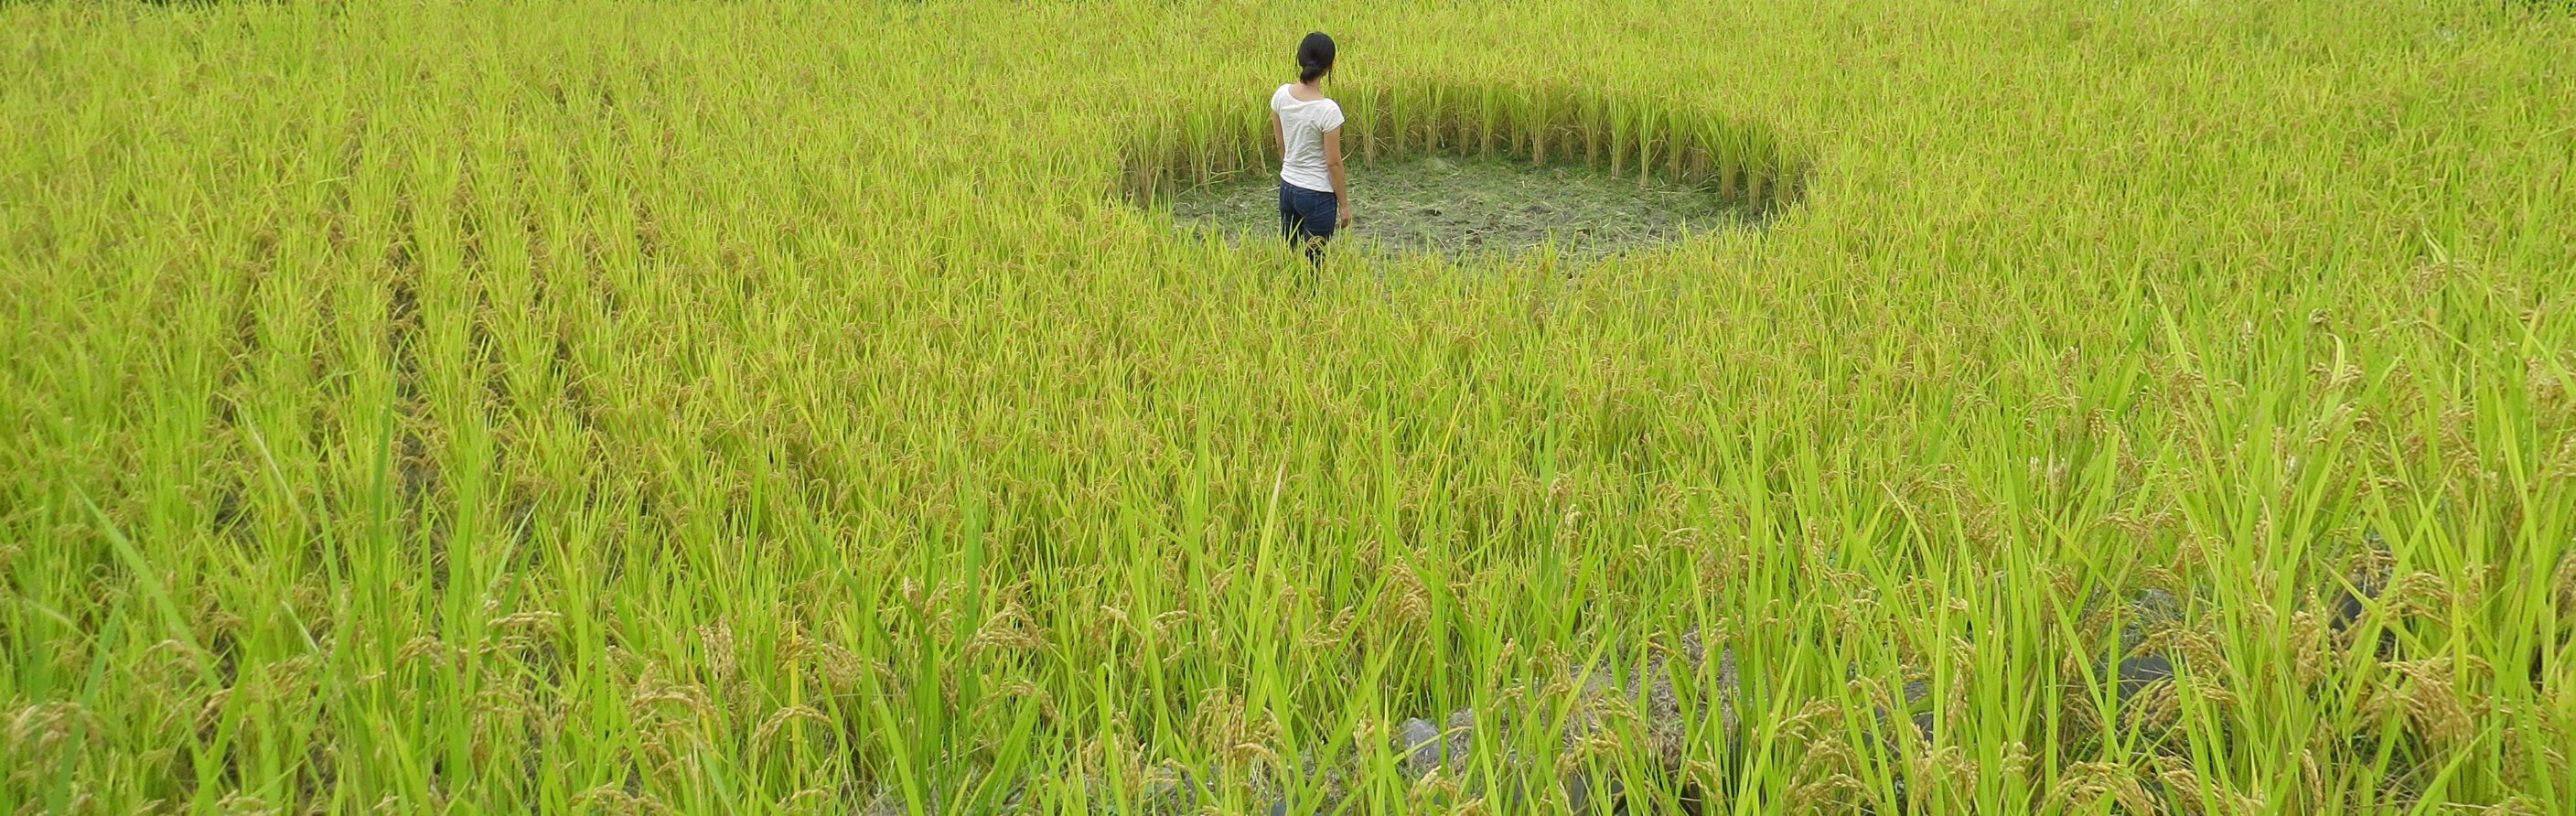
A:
(2564, 584)
(2365, 578)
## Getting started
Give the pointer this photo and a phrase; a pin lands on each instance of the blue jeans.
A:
(1307, 218)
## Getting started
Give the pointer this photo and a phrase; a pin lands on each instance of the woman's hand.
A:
(1345, 208)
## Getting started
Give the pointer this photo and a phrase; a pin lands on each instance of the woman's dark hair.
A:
(1314, 56)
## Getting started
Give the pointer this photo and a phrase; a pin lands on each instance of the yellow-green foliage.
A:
(1201, 140)
(516, 407)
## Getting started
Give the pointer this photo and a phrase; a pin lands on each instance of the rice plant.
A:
(587, 406)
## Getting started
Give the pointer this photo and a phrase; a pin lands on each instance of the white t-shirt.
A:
(1302, 125)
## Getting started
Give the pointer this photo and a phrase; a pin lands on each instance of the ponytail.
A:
(1314, 56)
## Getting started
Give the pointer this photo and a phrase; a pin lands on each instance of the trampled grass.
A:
(755, 407)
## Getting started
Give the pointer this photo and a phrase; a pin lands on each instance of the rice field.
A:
(573, 406)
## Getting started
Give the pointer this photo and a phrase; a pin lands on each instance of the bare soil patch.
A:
(1461, 206)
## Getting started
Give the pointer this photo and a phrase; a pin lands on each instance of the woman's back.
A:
(1314, 197)
(1302, 124)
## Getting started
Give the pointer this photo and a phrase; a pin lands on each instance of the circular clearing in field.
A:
(1476, 169)
(1460, 206)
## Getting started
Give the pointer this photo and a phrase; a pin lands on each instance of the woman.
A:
(1314, 196)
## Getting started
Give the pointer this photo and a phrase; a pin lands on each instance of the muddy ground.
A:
(1462, 207)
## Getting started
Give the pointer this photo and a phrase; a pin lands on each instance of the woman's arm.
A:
(1278, 136)
(1341, 182)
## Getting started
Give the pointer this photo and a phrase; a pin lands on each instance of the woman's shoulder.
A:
(1287, 95)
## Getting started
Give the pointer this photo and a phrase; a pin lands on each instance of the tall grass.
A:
(1212, 136)
(763, 407)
